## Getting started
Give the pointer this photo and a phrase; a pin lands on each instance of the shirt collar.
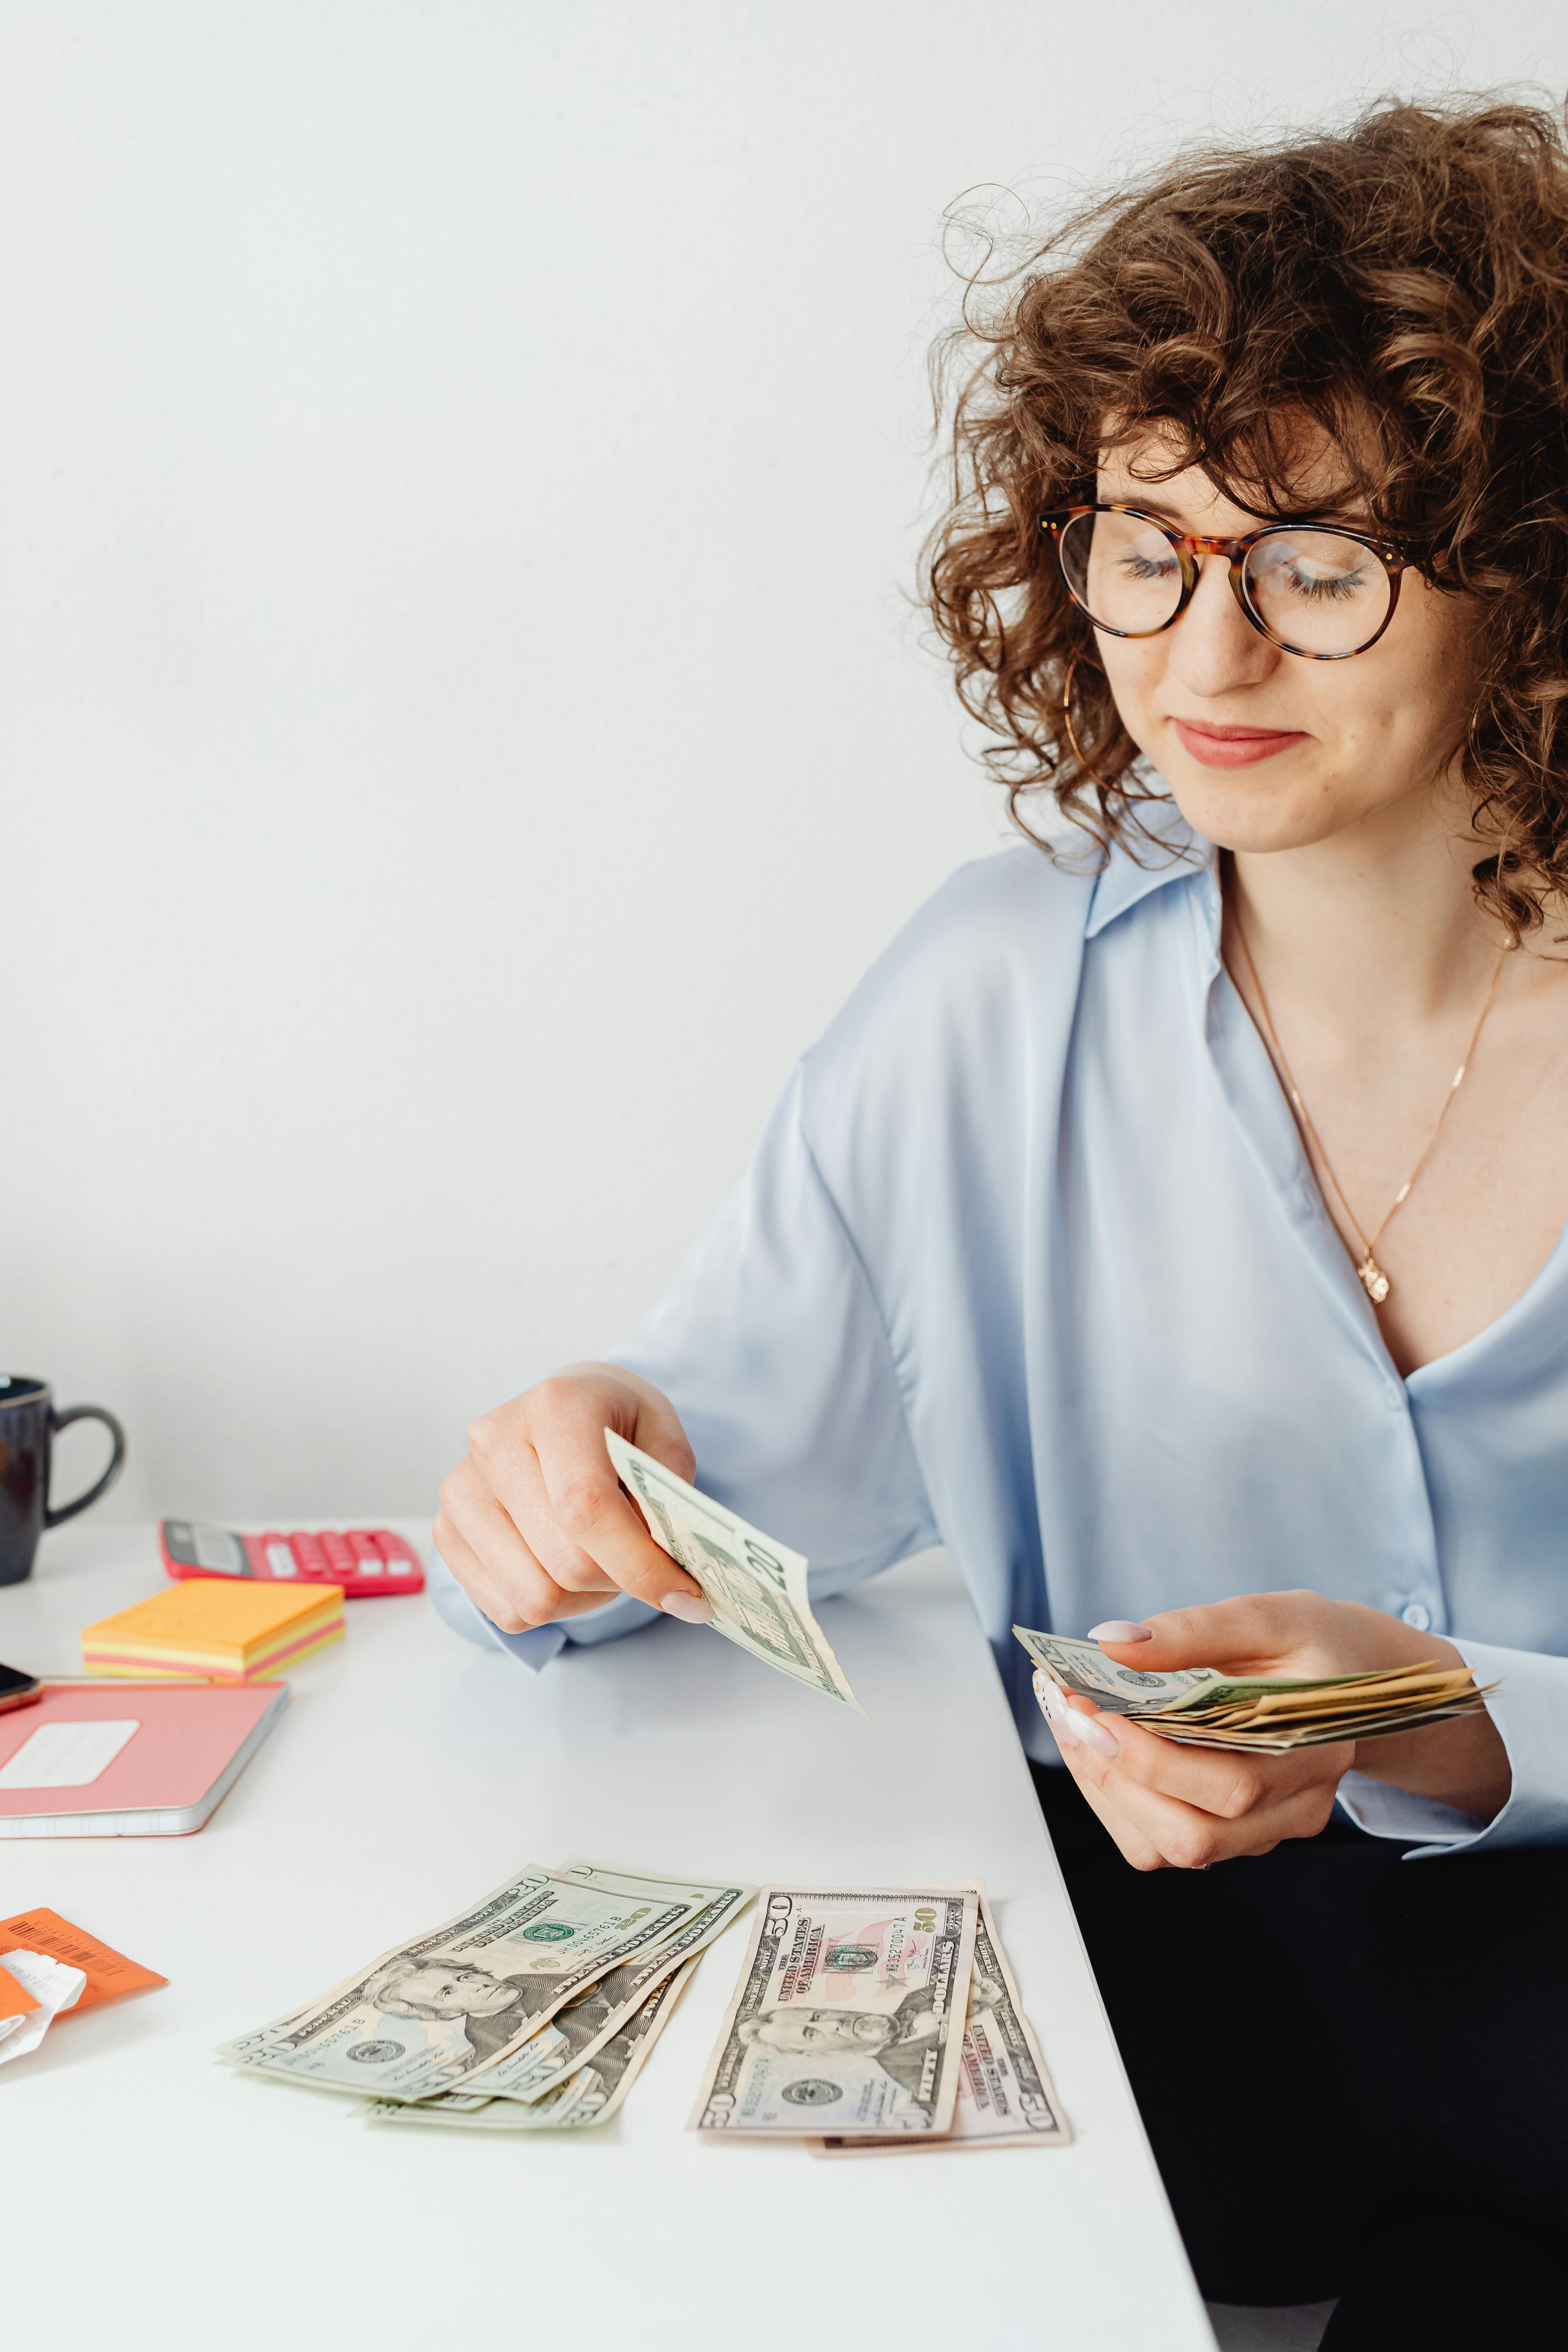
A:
(1173, 853)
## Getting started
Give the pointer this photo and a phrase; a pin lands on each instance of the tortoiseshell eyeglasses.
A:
(1309, 588)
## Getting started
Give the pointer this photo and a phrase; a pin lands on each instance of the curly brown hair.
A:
(1402, 286)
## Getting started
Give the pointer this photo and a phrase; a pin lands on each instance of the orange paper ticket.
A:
(109, 1973)
(16, 2000)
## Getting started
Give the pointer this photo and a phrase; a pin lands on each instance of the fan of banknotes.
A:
(869, 2020)
(536, 2010)
(1270, 1714)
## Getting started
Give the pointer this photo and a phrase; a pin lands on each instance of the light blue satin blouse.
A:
(1031, 1262)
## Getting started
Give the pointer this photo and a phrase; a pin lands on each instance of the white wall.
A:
(462, 733)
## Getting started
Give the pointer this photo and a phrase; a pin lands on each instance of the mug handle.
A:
(116, 1460)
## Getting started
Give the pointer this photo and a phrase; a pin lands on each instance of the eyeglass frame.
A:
(1189, 545)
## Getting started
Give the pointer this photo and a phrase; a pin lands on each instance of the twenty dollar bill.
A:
(756, 1587)
(434, 2009)
(591, 2096)
(602, 2010)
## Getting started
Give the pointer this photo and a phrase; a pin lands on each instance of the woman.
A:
(1130, 1232)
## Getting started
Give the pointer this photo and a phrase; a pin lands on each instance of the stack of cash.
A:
(869, 2020)
(532, 2011)
(1270, 1714)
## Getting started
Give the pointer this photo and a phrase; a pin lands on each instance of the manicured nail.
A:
(689, 1607)
(1057, 1715)
(1120, 1629)
(1048, 1692)
(1096, 1733)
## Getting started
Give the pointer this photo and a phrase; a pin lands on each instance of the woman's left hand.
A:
(1183, 1807)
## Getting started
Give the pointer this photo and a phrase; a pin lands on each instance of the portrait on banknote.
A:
(491, 2010)
(850, 2000)
(904, 2042)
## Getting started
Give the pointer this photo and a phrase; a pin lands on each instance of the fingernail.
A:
(1056, 1712)
(1120, 1629)
(1047, 1692)
(1096, 1733)
(689, 1607)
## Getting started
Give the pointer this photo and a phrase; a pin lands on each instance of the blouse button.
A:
(1414, 1613)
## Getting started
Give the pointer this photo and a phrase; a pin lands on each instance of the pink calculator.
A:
(364, 1560)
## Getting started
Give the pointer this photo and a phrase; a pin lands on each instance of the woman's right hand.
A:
(534, 1522)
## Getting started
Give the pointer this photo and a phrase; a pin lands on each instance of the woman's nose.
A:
(1213, 646)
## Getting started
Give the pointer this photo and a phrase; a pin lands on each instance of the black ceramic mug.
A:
(27, 1424)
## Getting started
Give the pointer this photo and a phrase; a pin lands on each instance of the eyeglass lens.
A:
(1315, 592)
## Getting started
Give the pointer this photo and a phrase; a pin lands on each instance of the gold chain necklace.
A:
(1374, 1280)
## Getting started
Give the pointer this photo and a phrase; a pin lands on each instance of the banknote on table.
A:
(1006, 2097)
(757, 1587)
(434, 2010)
(596, 2014)
(1270, 1714)
(591, 2096)
(849, 2011)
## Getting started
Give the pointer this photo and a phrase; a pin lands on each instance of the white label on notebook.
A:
(66, 1754)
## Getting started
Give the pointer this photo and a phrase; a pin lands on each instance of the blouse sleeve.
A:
(770, 1348)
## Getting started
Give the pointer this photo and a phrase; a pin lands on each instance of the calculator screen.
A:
(195, 1543)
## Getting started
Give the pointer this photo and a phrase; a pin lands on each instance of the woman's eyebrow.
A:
(1150, 506)
(1349, 516)
(1158, 513)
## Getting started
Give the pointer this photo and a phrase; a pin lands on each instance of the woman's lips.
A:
(1234, 746)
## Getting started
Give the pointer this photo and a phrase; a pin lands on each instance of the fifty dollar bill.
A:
(1006, 2097)
(849, 2011)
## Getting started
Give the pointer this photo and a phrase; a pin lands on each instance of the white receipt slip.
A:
(52, 1985)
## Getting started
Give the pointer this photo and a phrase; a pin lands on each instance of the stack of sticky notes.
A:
(217, 1631)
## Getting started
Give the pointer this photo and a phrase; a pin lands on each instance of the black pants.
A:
(1353, 2070)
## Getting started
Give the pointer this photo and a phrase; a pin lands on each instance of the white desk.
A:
(155, 2201)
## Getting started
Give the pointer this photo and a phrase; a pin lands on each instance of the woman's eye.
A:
(1324, 587)
(1147, 567)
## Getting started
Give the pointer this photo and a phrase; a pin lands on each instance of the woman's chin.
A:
(1240, 811)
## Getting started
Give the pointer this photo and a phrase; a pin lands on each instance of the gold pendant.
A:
(1374, 1280)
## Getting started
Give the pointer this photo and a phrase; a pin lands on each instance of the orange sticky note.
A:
(107, 1973)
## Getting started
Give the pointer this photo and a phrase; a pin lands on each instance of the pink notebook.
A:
(135, 1759)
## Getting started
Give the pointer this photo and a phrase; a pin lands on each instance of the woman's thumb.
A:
(1208, 1636)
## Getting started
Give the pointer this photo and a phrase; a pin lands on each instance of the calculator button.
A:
(279, 1559)
(397, 1552)
(309, 1559)
(367, 1560)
